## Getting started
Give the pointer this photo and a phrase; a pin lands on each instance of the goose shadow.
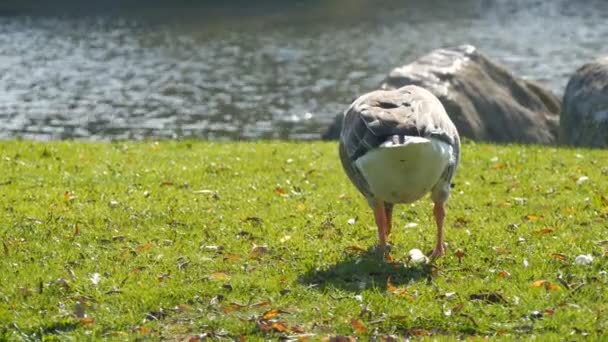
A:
(365, 270)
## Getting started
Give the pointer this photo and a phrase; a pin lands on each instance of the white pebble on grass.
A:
(417, 257)
(584, 259)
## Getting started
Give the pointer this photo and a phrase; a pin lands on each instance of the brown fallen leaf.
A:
(355, 249)
(559, 256)
(358, 326)
(232, 257)
(399, 292)
(267, 326)
(339, 338)
(503, 274)
(279, 326)
(66, 195)
(145, 247)
(87, 320)
(419, 332)
(167, 183)
(498, 166)
(258, 251)
(546, 230)
(280, 191)
(459, 254)
(490, 297)
(260, 304)
(458, 308)
(76, 229)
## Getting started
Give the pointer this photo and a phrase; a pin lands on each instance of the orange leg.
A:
(388, 211)
(439, 213)
(382, 223)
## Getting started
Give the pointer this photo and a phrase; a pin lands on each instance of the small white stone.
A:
(582, 180)
(526, 264)
(417, 257)
(95, 278)
(583, 259)
(351, 221)
(411, 225)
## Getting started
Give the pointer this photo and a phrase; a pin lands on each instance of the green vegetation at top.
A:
(186, 240)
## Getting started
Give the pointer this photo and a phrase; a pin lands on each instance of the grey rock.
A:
(483, 99)
(584, 116)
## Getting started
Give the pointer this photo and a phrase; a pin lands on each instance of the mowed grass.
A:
(265, 240)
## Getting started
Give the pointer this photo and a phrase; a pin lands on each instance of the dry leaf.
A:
(458, 308)
(532, 217)
(357, 326)
(491, 297)
(419, 332)
(270, 314)
(76, 230)
(260, 304)
(498, 166)
(66, 195)
(459, 254)
(355, 248)
(559, 256)
(145, 247)
(257, 251)
(549, 286)
(503, 274)
(546, 230)
(280, 191)
(399, 292)
(87, 320)
(218, 276)
(232, 257)
(538, 283)
(279, 326)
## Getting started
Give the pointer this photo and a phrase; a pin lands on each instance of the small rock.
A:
(584, 259)
(417, 257)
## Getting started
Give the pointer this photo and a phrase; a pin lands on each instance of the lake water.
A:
(254, 69)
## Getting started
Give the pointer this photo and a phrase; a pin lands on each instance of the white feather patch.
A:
(403, 173)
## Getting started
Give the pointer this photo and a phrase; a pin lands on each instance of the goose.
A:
(395, 147)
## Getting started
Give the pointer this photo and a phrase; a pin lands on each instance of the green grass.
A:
(174, 240)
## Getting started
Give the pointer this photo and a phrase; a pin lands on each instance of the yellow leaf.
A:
(270, 314)
(532, 217)
(219, 276)
(279, 326)
(538, 283)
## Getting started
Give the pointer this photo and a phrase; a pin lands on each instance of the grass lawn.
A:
(186, 240)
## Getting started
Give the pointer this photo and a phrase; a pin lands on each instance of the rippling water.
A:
(270, 71)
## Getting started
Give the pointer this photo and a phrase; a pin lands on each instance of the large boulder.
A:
(483, 99)
(584, 117)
